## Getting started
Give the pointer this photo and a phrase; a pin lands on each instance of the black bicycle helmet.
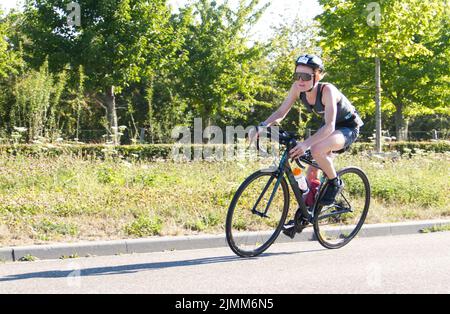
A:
(311, 61)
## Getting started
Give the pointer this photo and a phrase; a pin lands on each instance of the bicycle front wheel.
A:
(336, 225)
(257, 213)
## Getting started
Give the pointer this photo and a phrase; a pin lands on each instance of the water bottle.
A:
(301, 180)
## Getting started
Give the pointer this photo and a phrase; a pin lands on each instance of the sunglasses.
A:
(304, 76)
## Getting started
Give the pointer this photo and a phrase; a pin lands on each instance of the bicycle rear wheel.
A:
(336, 225)
(252, 226)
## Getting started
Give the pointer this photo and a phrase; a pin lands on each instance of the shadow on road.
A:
(129, 269)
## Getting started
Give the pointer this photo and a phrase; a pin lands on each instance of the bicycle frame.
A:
(285, 168)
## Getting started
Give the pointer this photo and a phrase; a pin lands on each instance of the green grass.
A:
(443, 228)
(28, 258)
(144, 227)
(73, 256)
(54, 199)
(46, 229)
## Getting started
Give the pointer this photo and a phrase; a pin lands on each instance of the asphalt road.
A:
(399, 264)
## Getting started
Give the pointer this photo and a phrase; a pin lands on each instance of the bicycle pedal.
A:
(290, 232)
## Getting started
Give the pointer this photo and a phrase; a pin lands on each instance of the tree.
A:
(117, 43)
(9, 59)
(37, 95)
(220, 79)
(11, 65)
(407, 37)
(3, 47)
(157, 100)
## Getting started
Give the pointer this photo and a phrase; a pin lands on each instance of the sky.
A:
(280, 11)
(8, 4)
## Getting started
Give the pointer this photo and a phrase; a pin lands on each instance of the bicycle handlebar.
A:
(287, 139)
(284, 138)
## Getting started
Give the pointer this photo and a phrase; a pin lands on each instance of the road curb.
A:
(108, 248)
(6, 254)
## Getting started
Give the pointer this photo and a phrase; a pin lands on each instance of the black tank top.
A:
(346, 116)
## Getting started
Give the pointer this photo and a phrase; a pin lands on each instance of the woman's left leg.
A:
(321, 152)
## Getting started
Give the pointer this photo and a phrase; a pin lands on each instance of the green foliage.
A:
(118, 43)
(220, 79)
(205, 221)
(37, 98)
(144, 226)
(66, 201)
(46, 229)
(200, 62)
(412, 42)
(442, 228)
(405, 190)
(11, 64)
(164, 152)
(9, 58)
(28, 258)
(408, 148)
(3, 47)
(102, 43)
(109, 175)
(72, 256)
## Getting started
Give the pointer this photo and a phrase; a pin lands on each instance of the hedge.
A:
(164, 151)
(405, 147)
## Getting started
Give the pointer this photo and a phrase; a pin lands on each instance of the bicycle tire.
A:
(318, 210)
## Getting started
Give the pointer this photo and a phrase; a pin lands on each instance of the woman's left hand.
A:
(298, 151)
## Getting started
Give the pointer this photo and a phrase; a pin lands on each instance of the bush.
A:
(143, 152)
(404, 147)
(164, 151)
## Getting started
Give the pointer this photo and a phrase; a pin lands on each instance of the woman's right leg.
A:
(312, 174)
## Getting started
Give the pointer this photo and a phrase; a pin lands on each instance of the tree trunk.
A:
(151, 121)
(112, 113)
(401, 124)
(379, 147)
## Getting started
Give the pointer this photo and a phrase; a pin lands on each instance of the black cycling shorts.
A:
(350, 135)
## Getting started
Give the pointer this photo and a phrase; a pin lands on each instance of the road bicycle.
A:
(259, 209)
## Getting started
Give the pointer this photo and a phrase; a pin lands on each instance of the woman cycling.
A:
(341, 122)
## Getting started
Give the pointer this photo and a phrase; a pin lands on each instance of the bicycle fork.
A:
(279, 175)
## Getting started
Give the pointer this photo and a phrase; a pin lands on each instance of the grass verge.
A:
(68, 199)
